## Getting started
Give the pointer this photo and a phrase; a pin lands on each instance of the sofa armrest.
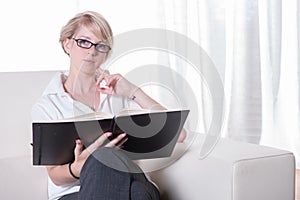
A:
(232, 171)
(21, 180)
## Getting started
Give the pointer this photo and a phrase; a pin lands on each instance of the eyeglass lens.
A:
(103, 48)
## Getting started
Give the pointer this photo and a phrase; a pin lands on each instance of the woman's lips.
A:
(89, 61)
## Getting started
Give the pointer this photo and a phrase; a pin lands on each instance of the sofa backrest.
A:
(19, 178)
(19, 91)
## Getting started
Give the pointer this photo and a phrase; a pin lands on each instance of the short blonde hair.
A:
(90, 19)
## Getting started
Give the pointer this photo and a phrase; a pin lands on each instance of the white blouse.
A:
(55, 103)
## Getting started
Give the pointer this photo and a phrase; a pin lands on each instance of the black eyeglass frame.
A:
(78, 40)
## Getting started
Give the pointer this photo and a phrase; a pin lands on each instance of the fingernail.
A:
(108, 134)
(78, 141)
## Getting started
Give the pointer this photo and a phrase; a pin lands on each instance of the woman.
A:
(87, 40)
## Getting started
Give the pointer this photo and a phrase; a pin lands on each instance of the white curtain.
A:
(255, 47)
(280, 56)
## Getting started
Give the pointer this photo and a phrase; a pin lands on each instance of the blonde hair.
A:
(90, 19)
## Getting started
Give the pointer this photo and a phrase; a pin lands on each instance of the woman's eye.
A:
(85, 43)
(101, 46)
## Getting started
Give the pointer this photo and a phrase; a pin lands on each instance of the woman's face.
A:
(82, 59)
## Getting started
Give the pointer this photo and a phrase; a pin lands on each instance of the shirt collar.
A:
(56, 85)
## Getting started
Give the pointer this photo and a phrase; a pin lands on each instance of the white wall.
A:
(30, 29)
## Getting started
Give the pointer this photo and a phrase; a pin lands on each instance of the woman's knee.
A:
(113, 158)
(142, 191)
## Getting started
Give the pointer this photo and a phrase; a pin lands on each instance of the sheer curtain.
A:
(255, 47)
(253, 44)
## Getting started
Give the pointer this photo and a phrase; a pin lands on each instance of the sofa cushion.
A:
(21, 180)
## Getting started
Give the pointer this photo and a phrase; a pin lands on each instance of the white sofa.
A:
(232, 171)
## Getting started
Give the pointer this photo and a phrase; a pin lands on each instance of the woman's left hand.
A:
(116, 84)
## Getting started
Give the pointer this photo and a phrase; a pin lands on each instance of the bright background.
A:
(254, 45)
(30, 29)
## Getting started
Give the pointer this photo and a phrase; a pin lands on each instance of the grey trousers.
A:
(109, 175)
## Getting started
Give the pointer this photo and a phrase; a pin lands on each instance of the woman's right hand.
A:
(60, 175)
(115, 84)
(81, 155)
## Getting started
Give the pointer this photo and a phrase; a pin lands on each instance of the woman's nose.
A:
(92, 50)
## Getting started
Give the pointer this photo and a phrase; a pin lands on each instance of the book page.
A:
(84, 117)
(125, 112)
(94, 115)
(129, 111)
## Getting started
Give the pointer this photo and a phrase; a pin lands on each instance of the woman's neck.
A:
(79, 83)
(82, 88)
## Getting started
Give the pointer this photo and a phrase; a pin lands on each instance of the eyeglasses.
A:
(101, 47)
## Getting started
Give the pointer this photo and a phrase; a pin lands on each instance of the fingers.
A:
(99, 142)
(78, 148)
(118, 141)
(100, 71)
(115, 84)
(101, 76)
(113, 79)
(106, 90)
(120, 144)
(104, 83)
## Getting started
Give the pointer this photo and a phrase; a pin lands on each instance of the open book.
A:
(151, 134)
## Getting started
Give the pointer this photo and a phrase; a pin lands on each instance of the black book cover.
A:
(150, 135)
